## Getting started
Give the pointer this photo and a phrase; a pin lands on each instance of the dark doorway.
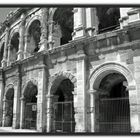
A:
(9, 108)
(14, 47)
(30, 106)
(64, 108)
(114, 110)
(108, 18)
(34, 34)
(66, 23)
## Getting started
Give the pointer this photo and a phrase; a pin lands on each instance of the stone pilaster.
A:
(49, 111)
(41, 107)
(80, 116)
(21, 39)
(44, 29)
(50, 38)
(22, 109)
(79, 23)
(94, 110)
(5, 47)
(27, 40)
(4, 112)
(134, 112)
(91, 21)
(1, 100)
(134, 98)
(9, 53)
(16, 106)
(91, 111)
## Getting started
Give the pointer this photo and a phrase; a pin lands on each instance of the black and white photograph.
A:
(70, 70)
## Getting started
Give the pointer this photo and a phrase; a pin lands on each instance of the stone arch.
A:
(110, 67)
(26, 84)
(58, 77)
(9, 86)
(12, 32)
(13, 45)
(8, 102)
(61, 88)
(33, 35)
(61, 29)
(95, 80)
(29, 96)
(32, 19)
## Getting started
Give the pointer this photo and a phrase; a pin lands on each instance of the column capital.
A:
(22, 98)
(81, 56)
(26, 37)
(7, 29)
(131, 87)
(22, 19)
(91, 91)
(75, 10)
(49, 96)
(74, 92)
(9, 46)
(51, 22)
(4, 63)
(4, 99)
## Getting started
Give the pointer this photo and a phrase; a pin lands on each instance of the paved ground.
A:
(9, 129)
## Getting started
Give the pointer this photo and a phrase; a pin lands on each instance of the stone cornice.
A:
(130, 45)
(81, 44)
(133, 11)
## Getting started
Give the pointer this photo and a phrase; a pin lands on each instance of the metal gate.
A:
(114, 115)
(9, 113)
(63, 120)
(30, 115)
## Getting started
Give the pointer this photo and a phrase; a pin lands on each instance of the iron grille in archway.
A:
(63, 121)
(30, 116)
(114, 115)
(9, 113)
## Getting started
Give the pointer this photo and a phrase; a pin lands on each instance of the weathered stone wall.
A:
(116, 51)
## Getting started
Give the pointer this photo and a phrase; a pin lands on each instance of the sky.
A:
(4, 12)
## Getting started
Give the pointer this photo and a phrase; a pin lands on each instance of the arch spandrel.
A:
(29, 23)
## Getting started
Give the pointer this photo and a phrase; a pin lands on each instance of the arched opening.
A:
(63, 107)
(1, 53)
(112, 107)
(9, 107)
(34, 33)
(14, 46)
(30, 114)
(108, 18)
(63, 27)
